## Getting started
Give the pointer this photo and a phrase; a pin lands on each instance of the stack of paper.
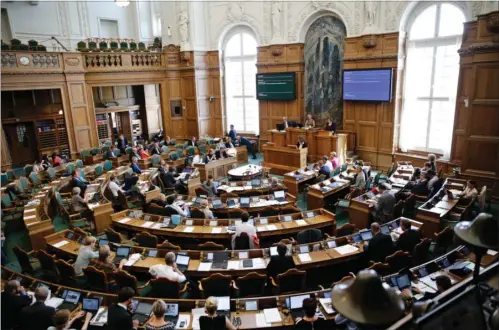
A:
(271, 227)
(54, 302)
(217, 230)
(233, 264)
(204, 267)
(61, 243)
(304, 257)
(272, 315)
(186, 318)
(100, 319)
(327, 305)
(188, 229)
(132, 259)
(346, 249)
(196, 314)
(261, 322)
(301, 222)
(147, 224)
(124, 220)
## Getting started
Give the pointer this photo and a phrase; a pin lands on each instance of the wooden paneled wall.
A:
(475, 143)
(373, 122)
(281, 58)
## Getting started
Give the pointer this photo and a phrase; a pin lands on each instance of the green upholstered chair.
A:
(79, 163)
(85, 153)
(113, 45)
(133, 46)
(191, 151)
(142, 46)
(173, 155)
(108, 165)
(164, 149)
(4, 180)
(35, 179)
(124, 46)
(103, 46)
(51, 173)
(98, 170)
(19, 172)
(28, 168)
(344, 167)
(180, 153)
(33, 45)
(156, 159)
(128, 150)
(70, 168)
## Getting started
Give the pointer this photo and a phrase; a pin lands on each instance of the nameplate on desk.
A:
(124, 220)
(60, 244)
(271, 227)
(188, 229)
(189, 222)
(304, 257)
(213, 223)
(234, 264)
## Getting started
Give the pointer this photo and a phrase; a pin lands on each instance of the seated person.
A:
(113, 186)
(56, 160)
(110, 152)
(156, 150)
(409, 237)
(433, 159)
(210, 186)
(245, 227)
(77, 181)
(210, 156)
(169, 141)
(62, 320)
(80, 205)
(197, 159)
(364, 170)
(208, 214)
(324, 169)
(443, 284)
(334, 160)
(383, 208)
(433, 187)
(134, 153)
(275, 184)
(181, 210)
(168, 270)
(213, 321)
(470, 191)
(130, 182)
(328, 163)
(157, 320)
(45, 162)
(14, 299)
(85, 255)
(37, 316)
(143, 154)
(221, 153)
(426, 167)
(104, 261)
(421, 186)
(170, 181)
(135, 166)
(228, 143)
(160, 200)
(330, 125)
(37, 167)
(360, 178)
(281, 263)
(311, 320)
(310, 122)
(163, 166)
(286, 123)
(380, 246)
(191, 143)
(301, 144)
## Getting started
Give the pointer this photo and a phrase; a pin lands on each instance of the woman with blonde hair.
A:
(85, 254)
(157, 321)
(213, 321)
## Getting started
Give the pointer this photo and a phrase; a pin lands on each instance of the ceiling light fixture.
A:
(122, 3)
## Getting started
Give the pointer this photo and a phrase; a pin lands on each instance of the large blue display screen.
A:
(367, 85)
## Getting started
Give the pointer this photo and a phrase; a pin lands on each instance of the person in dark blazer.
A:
(247, 143)
(281, 263)
(191, 143)
(232, 133)
(170, 181)
(409, 238)
(156, 150)
(37, 316)
(14, 299)
(228, 143)
(119, 317)
(301, 144)
(110, 153)
(380, 246)
(221, 154)
(122, 143)
(286, 123)
(323, 169)
(135, 166)
(421, 187)
(135, 153)
(77, 181)
(330, 126)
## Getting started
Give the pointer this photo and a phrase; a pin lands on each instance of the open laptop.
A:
(152, 253)
(356, 238)
(142, 312)
(279, 127)
(103, 241)
(71, 300)
(244, 202)
(280, 196)
(255, 183)
(91, 305)
(295, 305)
(223, 306)
(385, 229)
(403, 282)
(216, 203)
(182, 262)
(122, 252)
(171, 313)
(220, 260)
(231, 202)
(366, 235)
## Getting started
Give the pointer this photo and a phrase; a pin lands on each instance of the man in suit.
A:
(286, 122)
(385, 204)
(135, 166)
(232, 133)
(77, 181)
(380, 246)
(421, 187)
(110, 153)
(122, 143)
(37, 316)
(170, 181)
(281, 263)
(324, 169)
(191, 143)
(155, 149)
(249, 146)
(409, 238)
(134, 153)
(14, 299)
(119, 317)
(221, 154)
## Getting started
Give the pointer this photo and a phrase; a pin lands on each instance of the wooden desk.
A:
(283, 159)
(242, 154)
(295, 180)
(120, 161)
(245, 187)
(94, 159)
(217, 169)
(318, 193)
(326, 142)
(192, 185)
(145, 163)
(278, 138)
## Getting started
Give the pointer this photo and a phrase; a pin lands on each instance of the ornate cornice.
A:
(479, 48)
(361, 58)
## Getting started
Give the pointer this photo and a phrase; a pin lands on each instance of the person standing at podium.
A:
(301, 144)
(330, 126)
(310, 122)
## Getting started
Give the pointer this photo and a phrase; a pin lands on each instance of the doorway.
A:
(21, 140)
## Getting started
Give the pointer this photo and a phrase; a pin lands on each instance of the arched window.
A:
(430, 87)
(239, 56)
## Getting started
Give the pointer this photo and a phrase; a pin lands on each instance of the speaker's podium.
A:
(283, 159)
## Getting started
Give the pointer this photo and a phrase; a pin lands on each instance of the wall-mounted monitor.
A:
(367, 85)
(276, 86)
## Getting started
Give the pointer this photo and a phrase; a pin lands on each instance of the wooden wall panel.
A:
(373, 122)
(281, 58)
(475, 144)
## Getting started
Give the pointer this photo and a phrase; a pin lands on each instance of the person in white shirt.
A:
(181, 210)
(113, 186)
(470, 191)
(328, 163)
(208, 214)
(37, 167)
(244, 227)
(85, 254)
(168, 271)
(197, 159)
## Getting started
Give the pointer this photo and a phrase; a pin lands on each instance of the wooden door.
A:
(21, 139)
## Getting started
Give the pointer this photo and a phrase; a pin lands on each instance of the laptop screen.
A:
(331, 244)
(422, 272)
(152, 253)
(91, 304)
(304, 249)
(103, 242)
(255, 199)
(69, 235)
(296, 302)
(251, 305)
(144, 308)
(123, 251)
(182, 260)
(231, 202)
(223, 303)
(187, 170)
(403, 282)
(245, 200)
(385, 230)
(279, 194)
(288, 218)
(366, 235)
(220, 256)
(310, 214)
(171, 310)
(72, 297)
(216, 202)
(43, 285)
(255, 182)
(356, 238)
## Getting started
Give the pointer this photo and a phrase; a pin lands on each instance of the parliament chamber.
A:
(228, 165)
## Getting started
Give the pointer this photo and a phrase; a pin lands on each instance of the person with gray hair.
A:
(37, 316)
(85, 254)
(383, 208)
(80, 205)
(432, 159)
(360, 178)
(14, 299)
(168, 270)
